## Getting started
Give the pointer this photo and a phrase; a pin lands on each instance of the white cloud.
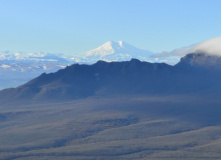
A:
(210, 47)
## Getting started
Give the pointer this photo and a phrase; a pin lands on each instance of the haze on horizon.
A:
(74, 27)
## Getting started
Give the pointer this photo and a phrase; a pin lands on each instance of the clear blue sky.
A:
(76, 26)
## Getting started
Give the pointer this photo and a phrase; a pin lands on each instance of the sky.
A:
(75, 26)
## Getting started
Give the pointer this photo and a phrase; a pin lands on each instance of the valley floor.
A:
(133, 127)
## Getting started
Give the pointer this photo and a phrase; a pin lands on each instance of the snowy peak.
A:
(105, 49)
(115, 51)
(112, 47)
(120, 51)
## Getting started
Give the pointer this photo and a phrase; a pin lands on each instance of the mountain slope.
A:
(129, 77)
(86, 80)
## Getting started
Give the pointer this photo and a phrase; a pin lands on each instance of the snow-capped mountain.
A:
(18, 68)
(114, 51)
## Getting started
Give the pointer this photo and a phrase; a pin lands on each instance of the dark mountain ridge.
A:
(195, 73)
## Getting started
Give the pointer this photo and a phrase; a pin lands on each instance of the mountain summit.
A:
(115, 51)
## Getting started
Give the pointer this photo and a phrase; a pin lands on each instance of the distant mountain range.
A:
(18, 68)
(195, 73)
